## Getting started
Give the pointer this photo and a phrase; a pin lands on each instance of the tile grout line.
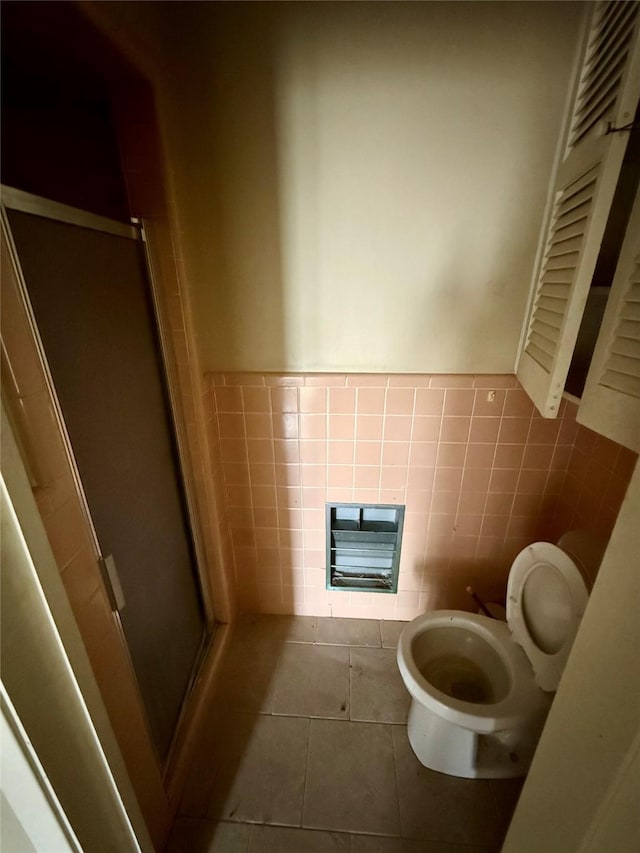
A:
(349, 674)
(306, 773)
(397, 782)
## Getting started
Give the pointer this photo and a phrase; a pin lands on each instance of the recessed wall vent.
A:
(363, 546)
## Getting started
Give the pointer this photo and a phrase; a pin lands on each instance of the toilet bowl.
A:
(481, 688)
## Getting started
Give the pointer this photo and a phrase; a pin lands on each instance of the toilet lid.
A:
(546, 598)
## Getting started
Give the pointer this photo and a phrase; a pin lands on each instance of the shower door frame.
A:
(24, 202)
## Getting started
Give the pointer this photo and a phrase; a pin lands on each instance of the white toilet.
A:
(481, 688)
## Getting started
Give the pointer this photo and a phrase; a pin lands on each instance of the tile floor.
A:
(306, 750)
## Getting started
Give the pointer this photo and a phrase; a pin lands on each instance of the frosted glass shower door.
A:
(92, 306)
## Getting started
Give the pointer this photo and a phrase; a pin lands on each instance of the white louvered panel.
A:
(611, 399)
(605, 66)
(583, 188)
(622, 367)
(569, 224)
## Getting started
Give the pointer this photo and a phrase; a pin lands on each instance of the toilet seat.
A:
(546, 597)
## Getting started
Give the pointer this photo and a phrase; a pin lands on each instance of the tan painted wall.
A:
(359, 186)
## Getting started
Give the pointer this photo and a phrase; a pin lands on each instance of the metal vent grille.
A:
(363, 547)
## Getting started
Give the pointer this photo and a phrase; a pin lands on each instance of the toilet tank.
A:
(586, 550)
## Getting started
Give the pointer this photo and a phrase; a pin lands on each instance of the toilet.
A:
(481, 688)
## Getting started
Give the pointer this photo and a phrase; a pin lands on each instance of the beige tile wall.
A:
(597, 477)
(480, 472)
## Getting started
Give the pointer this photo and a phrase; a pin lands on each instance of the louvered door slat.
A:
(565, 261)
(581, 192)
(622, 364)
(556, 306)
(576, 189)
(628, 347)
(562, 248)
(557, 276)
(543, 358)
(621, 384)
(584, 186)
(551, 318)
(628, 329)
(547, 346)
(566, 223)
(551, 333)
(555, 291)
(631, 311)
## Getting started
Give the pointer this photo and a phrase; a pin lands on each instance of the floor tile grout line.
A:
(350, 683)
(306, 773)
(332, 719)
(397, 781)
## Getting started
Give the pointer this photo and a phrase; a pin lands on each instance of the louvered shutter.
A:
(607, 91)
(611, 399)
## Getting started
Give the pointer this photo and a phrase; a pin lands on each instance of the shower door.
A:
(90, 298)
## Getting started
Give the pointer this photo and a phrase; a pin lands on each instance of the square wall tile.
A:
(397, 428)
(228, 399)
(368, 452)
(370, 401)
(369, 427)
(342, 427)
(313, 426)
(429, 401)
(517, 404)
(459, 401)
(400, 401)
(451, 455)
(342, 401)
(455, 429)
(284, 399)
(313, 400)
(285, 425)
(427, 428)
(489, 403)
(256, 399)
